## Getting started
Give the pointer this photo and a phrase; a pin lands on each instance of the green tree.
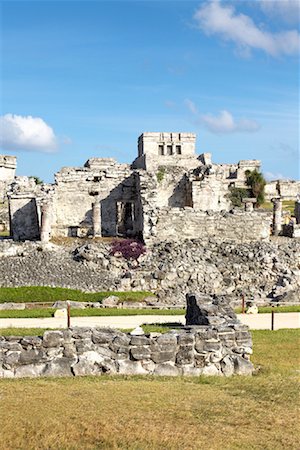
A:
(256, 182)
(37, 179)
(236, 195)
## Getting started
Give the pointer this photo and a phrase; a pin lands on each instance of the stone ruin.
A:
(8, 166)
(213, 342)
(168, 192)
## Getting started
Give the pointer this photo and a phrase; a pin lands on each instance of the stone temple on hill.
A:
(167, 193)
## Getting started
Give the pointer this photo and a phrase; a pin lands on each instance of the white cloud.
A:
(222, 123)
(286, 10)
(214, 18)
(26, 133)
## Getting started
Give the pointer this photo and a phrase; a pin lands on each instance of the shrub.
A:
(128, 248)
(160, 174)
(255, 180)
(236, 195)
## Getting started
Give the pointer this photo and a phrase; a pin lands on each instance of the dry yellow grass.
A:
(259, 412)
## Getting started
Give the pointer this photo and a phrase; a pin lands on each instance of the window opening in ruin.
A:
(169, 150)
(178, 149)
(161, 150)
(125, 219)
(97, 179)
(73, 231)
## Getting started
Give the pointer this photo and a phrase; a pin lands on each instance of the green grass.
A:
(90, 312)
(23, 331)
(148, 413)
(287, 205)
(4, 233)
(46, 294)
(276, 309)
(105, 312)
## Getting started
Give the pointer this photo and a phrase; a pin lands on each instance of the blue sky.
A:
(86, 78)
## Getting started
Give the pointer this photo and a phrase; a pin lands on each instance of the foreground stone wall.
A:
(201, 350)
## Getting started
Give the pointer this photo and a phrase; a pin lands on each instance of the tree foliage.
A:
(236, 195)
(256, 182)
(37, 179)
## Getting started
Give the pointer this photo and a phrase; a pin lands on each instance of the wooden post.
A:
(68, 314)
(272, 319)
(243, 304)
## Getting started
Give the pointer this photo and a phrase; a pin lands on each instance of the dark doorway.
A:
(125, 219)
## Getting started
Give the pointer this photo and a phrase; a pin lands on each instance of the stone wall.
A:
(263, 271)
(216, 345)
(240, 226)
(286, 189)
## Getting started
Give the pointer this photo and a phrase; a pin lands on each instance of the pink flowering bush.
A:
(128, 248)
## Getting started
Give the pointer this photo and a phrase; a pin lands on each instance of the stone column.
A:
(297, 210)
(96, 216)
(45, 222)
(249, 204)
(277, 213)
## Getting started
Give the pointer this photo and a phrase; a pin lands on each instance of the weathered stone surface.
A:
(166, 370)
(30, 371)
(30, 356)
(139, 340)
(59, 367)
(131, 368)
(92, 363)
(274, 264)
(211, 370)
(141, 352)
(242, 366)
(185, 355)
(52, 338)
(104, 336)
(110, 302)
(12, 306)
(227, 366)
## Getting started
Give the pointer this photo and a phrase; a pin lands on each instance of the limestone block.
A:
(6, 373)
(30, 370)
(211, 370)
(12, 306)
(242, 366)
(92, 363)
(110, 302)
(185, 355)
(227, 366)
(59, 367)
(166, 370)
(52, 338)
(138, 331)
(126, 367)
(61, 313)
(141, 352)
(104, 336)
(139, 340)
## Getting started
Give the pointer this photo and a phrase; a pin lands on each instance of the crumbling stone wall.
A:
(263, 271)
(239, 227)
(286, 189)
(215, 343)
(7, 173)
(105, 178)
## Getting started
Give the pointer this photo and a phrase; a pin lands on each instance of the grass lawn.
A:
(30, 294)
(259, 412)
(91, 312)
(287, 205)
